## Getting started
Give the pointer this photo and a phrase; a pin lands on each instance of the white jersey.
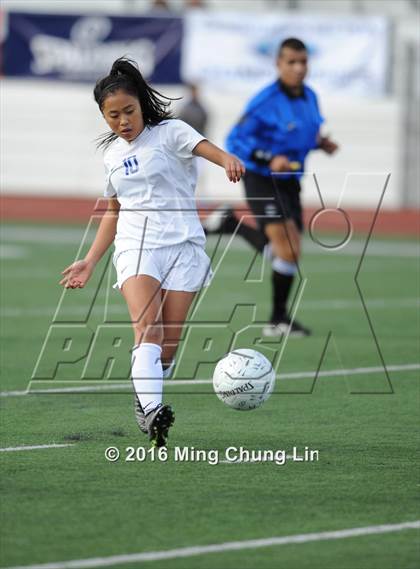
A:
(154, 179)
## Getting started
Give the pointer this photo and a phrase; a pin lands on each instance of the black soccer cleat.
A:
(221, 220)
(285, 326)
(158, 423)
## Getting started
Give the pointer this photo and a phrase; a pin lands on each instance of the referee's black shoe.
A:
(286, 326)
(221, 220)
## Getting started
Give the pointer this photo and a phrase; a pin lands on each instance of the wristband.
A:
(262, 157)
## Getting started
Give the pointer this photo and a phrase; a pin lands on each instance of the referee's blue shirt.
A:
(275, 122)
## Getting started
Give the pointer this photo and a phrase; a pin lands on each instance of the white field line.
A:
(175, 382)
(73, 236)
(307, 271)
(12, 252)
(313, 305)
(222, 547)
(34, 447)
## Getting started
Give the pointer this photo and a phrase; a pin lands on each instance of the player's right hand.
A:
(233, 167)
(77, 274)
(280, 163)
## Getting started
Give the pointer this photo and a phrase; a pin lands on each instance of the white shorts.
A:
(183, 267)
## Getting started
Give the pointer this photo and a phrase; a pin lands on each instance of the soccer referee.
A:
(280, 126)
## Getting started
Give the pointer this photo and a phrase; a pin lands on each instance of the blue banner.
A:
(83, 48)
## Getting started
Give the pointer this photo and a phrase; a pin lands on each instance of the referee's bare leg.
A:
(284, 237)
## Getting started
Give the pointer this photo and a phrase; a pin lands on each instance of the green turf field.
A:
(69, 503)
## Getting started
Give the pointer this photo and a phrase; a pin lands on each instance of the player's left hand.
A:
(234, 168)
(77, 274)
(327, 145)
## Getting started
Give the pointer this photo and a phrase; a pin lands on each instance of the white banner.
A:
(348, 55)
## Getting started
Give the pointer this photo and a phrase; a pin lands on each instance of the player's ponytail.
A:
(126, 67)
(125, 76)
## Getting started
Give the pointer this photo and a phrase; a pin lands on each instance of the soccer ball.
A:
(244, 379)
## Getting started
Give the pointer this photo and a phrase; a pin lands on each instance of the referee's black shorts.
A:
(273, 199)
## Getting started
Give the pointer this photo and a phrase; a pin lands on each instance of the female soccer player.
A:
(152, 219)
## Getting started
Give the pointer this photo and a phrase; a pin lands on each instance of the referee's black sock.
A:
(224, 221)
(282, 280)
(281, 289)
(254, 237)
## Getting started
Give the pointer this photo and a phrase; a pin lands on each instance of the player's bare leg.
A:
(143, 296)
(175, 307)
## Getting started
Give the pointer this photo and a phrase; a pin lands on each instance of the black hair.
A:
(292, 43)
(125, 75)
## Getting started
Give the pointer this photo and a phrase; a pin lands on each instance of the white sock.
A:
(146, 371)
(268, 252)
(167, 371)
(284, 267)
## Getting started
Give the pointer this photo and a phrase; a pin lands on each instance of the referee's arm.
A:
(243, 141)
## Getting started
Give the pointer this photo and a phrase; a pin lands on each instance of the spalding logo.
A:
(240, 389)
